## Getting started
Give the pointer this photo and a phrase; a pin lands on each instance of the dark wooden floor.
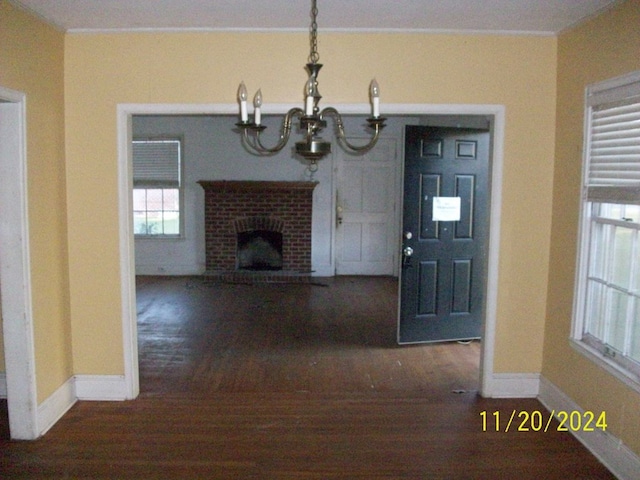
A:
(333, 339)
(292, 382)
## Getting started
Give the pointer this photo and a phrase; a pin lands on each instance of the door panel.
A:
(427, 287)
(465, 187)
(443, 280)
(352, 250)
(366, 226)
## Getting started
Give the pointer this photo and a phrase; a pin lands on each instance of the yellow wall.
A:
(103, 70)
(100, 71)
(605, 47)
(31, 61)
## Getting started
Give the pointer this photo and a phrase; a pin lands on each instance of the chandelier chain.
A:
(313, 35)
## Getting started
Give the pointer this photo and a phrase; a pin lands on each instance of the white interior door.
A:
(366, 213)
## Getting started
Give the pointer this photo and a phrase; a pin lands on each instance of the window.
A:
(607, 307)
(156, 187)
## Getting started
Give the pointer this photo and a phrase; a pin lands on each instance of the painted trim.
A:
(295, 30)
(512, 385)
(607, 448)
(127, 257)
(101, 387)
(54, 407)
(79, 387)
(15, 269)
(489, 385)
(487, 382)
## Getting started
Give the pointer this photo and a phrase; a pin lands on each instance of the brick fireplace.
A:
(238, 209)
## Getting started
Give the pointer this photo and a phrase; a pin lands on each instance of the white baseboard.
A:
(617, 457)
(79, 387)
(101, 387)
(54, 407)
(82, 387)
(3, 385)
(511, 385)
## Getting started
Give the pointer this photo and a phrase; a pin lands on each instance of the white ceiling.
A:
(500, 16)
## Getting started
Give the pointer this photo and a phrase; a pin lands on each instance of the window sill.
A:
(626, 377)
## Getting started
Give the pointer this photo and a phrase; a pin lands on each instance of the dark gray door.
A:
(445, 233)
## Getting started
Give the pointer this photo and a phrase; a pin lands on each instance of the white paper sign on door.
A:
(446, 209)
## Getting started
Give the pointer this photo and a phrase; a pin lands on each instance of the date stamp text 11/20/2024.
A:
(538, 421)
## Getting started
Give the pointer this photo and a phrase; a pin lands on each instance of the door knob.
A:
(407, 251)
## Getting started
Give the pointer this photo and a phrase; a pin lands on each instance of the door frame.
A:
(15, 270)
(489, 386)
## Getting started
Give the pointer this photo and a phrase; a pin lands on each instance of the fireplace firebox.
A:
(259, 250)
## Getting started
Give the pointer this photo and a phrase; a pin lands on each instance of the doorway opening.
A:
(125, 113)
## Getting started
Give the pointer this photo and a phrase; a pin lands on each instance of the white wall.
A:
(213, 151)
(182, 256)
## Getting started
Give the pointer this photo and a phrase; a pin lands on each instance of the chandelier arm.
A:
(249, 141)
(376, 125)
(254, 142)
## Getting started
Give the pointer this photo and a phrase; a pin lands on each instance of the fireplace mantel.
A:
(249, 185)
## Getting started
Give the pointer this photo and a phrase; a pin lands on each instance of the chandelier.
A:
(311, 119)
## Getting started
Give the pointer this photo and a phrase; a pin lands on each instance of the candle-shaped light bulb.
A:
(242, 98)
(257, 104)
(308, 91)
(374, 92)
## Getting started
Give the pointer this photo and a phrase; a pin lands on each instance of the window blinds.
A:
(613, 149)
(156, 163)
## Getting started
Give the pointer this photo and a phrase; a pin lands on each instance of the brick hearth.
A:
(236, 206)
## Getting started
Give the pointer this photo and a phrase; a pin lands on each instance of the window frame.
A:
(622, 367)
(180, 188)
